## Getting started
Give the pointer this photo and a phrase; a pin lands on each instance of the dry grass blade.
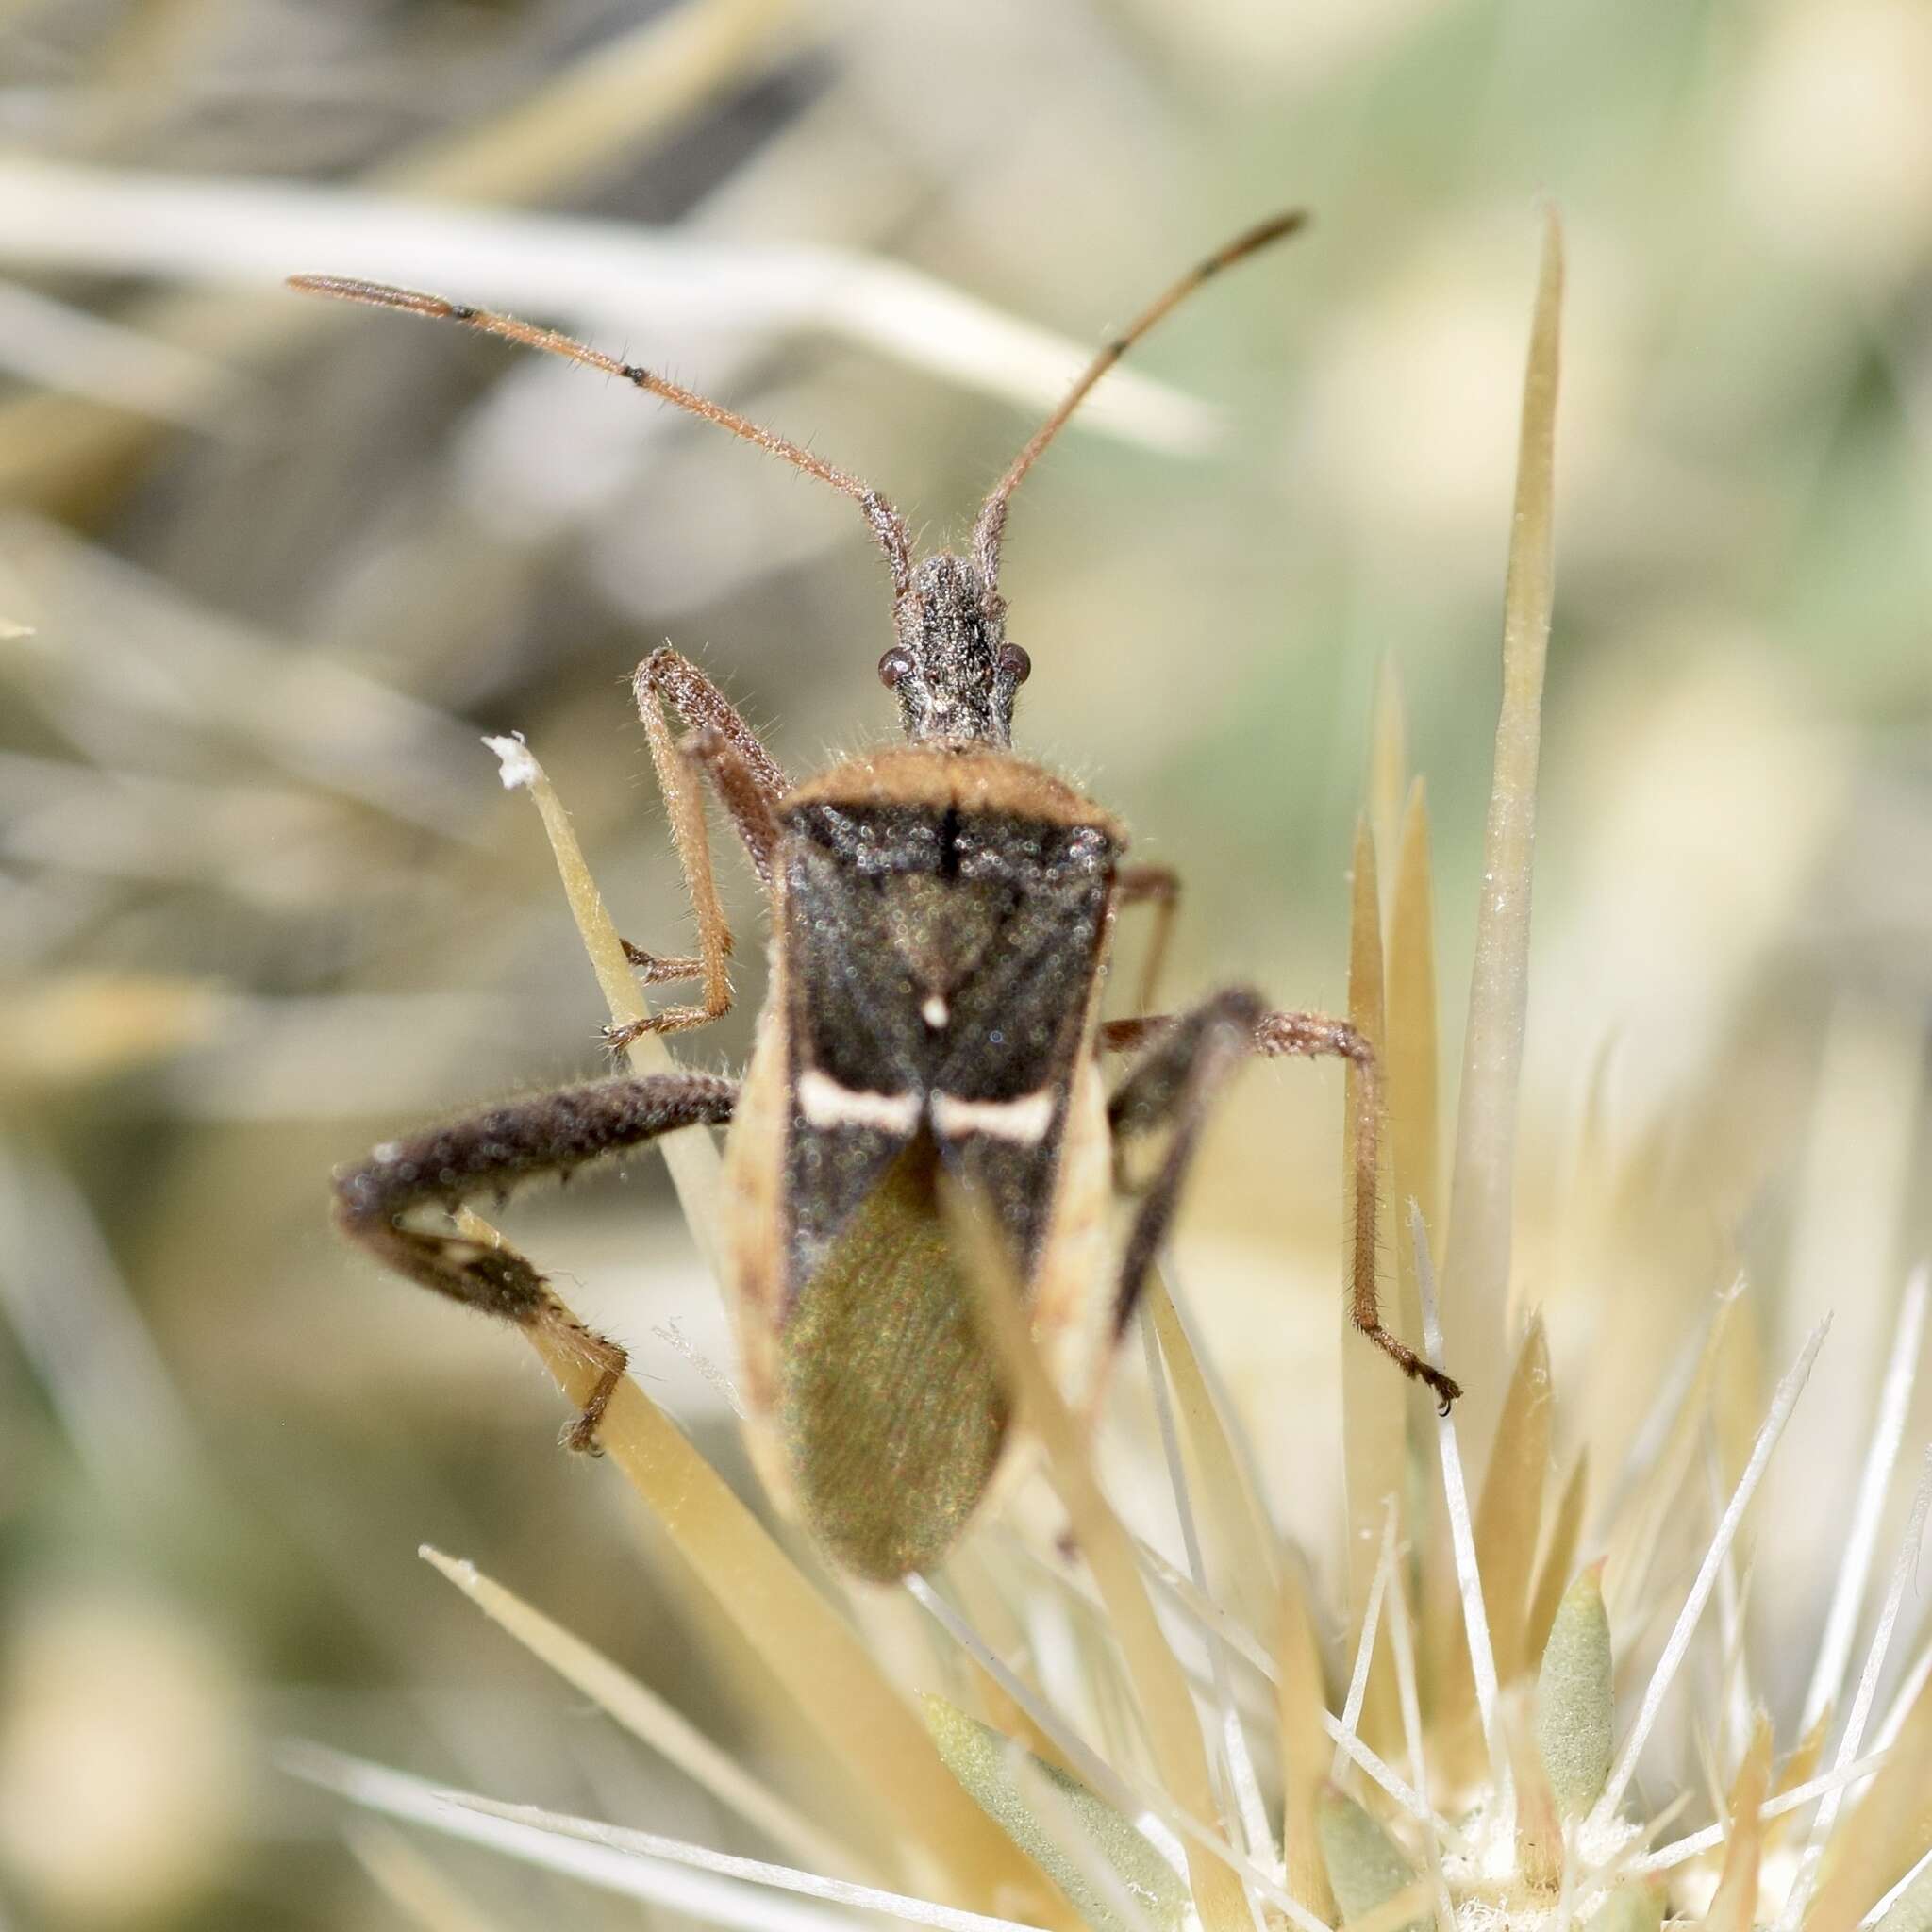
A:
(1373, 1401)
(1799, 1769)
(1677, 1648)
(619, 100)
(1234, 1766)
(620, 97)
(744, 1893)
(1475, 1270)
(1508, 1519)
(692, 1158)
(753, 1584)
(1559, 1559)
(1303, 1706)
(809, 1647)
(413, 1884)
(1387, 767)
(1888, 1832)
(1888, 1433)
(1638, 1527)
(1240, 1544)
(606, 273)
(61, 347)
(1476, 1622)
(646, 1716)
(1411, 1053)
(1160, 1686)
(1860, 1713)
(1734, 1905)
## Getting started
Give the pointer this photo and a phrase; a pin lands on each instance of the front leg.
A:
(720, 746)
(489, 1152)
(1189, 1058)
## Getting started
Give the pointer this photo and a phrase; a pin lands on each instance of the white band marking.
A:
(1023, 1120)
(825, 1102)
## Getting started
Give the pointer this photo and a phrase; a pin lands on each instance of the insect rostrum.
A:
(941, 915)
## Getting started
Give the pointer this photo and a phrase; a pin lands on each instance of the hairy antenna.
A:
(992, 524)
(887, 525)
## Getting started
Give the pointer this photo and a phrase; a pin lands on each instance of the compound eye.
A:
(1015, 663)
(894, 665)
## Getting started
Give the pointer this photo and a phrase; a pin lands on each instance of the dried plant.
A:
(1519, 1651)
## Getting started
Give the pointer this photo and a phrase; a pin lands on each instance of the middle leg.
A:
(1159, 886)
(1188, 1059)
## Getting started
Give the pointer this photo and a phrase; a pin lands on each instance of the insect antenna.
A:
(887, 525)
(990, 526)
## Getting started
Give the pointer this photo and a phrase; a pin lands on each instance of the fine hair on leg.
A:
(1188, 1059)
(488, 1153)
(720, 746)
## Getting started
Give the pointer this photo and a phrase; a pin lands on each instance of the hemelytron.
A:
(941, 915)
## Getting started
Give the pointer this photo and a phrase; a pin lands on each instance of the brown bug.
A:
(941, 915)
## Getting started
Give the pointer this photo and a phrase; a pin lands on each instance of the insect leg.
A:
(722, 748)
(489, 1152)
(1159, 886)
(1191, 1056)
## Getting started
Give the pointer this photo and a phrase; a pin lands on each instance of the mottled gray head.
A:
(953, 670)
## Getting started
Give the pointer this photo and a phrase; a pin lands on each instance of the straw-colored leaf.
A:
(692, 1158)
(1797, 1769)
(647, 1716)
(1638, 1532)
(1575, 1697)
(74, 1027)
(1911, 1910)
(986, 1764)
(1239, 1544)
(1367, 1869)
(1889, 1830)
(1560, 1557)
(1160, 1685)
(1410, 1054)
(1301, 1702)
(1388, 763)
(751, 1581)
(1637, 1906)
(1539, 1818)
(754, 1585)
(621, 97)
(1373, 1402)
(1508, 1519)
(989, 1612)
(413, 1882)
(1734, 1904)
(1476, 1272)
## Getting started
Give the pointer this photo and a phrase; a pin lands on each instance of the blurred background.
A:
(269, 568)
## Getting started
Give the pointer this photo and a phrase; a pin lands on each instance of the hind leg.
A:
(488, 1154)
(1188, 1060)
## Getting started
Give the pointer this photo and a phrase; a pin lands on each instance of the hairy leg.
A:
(1188, 1059)
(721, 746)
(489, 1152)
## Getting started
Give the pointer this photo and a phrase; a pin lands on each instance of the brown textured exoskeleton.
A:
(941, 915)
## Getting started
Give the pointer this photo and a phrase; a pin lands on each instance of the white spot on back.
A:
(934, 1011)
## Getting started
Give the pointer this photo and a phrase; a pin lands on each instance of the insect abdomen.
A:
(891, 1414)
